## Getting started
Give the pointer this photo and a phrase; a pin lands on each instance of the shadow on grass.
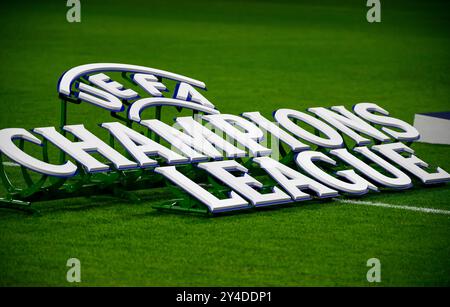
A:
(159, 195)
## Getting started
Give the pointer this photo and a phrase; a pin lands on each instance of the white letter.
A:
(374, 274)
(115, 88)
(150, 84)
(401, 180)
(349, 120)
(358, 186)
(365, 110)
(333, 140)
(13, 152)
(374, 13)
(204, 135)
(74, 13)
(248, 139)
(182, 141)
(244, 185)
(412, 164)
(74, 273)
(147, 147)
(109, 101)
(185, 91)
(89, 143)
(213, 203)
(282, 135)
(292, 181)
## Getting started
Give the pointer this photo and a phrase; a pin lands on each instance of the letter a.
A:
(74, 13)
(74, 273)
(374, 13)
(374, 274)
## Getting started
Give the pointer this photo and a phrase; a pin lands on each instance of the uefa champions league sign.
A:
(212, 161)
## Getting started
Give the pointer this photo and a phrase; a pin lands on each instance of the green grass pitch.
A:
(253, 56)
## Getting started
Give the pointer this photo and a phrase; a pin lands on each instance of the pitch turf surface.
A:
(253, 56)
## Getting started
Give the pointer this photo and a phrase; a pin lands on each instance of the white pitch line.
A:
(411, 208)
(11, 164)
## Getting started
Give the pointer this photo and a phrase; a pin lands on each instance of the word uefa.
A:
(215, 161)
